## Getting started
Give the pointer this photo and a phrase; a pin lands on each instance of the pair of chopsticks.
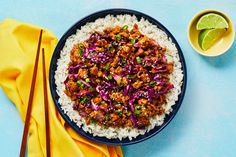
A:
(30, 102)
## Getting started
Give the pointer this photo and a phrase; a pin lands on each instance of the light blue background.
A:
(205, 124)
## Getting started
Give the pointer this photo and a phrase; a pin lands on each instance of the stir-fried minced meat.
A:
(118, 78)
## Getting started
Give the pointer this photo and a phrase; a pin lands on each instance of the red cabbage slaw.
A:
(118, 78)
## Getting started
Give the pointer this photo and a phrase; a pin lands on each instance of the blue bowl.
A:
(53, 67)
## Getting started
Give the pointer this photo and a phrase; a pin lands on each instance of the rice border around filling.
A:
(146, 28)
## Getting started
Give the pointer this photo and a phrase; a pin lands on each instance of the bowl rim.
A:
(200, 13)
(56, 55)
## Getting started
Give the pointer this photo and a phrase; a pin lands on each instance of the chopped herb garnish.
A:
(81, 52)
(152, 83)
(118, 36)
(80, 83)
(107, 66)
(125, 27)
(91, 89)
(81, 46)
(87, 80)
(110, 47)
(137, 110)
(123, 60)
(130, 76)
(120, 44)
(84, 100)
(129, 114)
(109, 77)
(103, 102)
(107, 116)
(93, 121)
(121, 83)
(138, 59)
(106, 127)
(119, 112)
(115, 89)
(132, 41)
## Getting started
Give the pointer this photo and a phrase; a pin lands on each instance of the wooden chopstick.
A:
(30, 102)
(46, 106)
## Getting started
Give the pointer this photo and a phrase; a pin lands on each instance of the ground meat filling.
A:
(118, 78)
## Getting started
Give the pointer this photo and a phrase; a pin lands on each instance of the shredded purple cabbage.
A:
(119, 76)
(104, 95)
(131, 104)
(92, 48)
(87, 105)
(87, 84)
(133, 120)
(156, 77)
(126, 90)
(83, 92)
(73, 69)
(137, 45)
(94, 106)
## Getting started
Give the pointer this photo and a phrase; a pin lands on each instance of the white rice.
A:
(100, 24)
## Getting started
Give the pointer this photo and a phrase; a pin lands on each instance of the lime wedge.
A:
(210, 21)
(208, 37)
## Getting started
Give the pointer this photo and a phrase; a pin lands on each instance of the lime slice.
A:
(210, 21)
(208, 37)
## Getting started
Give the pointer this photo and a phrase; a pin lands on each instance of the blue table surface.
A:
(205, 124)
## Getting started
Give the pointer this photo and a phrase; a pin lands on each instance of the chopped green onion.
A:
(118, 36)
(103, 102)
(115, 89)
(93, 121)
(81, 46)
(107, 67)
(132, 41)
(119, 112)
(125, 27)
(138, 59)
(152, 83)
(80, 83)
(87, 80)
(121, 83)
(84, 100)
(131, 76)
(107, 116)
(91, 89)
(123, 60)
(110, 47)
(106, 127)
(138, 107)
(81, 52)
(137, 110)
(109, 77)
(129, 114)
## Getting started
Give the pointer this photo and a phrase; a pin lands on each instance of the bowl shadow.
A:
(155, 145)
(222, 60)
(168, 137)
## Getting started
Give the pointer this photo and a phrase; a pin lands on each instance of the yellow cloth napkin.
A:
(18, 45)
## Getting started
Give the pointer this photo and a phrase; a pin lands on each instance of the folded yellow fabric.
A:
(18, 45)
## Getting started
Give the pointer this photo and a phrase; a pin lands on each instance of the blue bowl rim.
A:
(53, 66)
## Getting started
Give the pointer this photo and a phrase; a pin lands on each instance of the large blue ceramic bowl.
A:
(53, 68)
